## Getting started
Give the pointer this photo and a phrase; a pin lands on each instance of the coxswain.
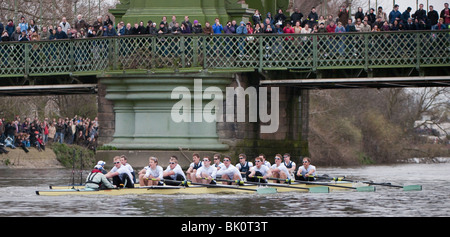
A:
(101, 165)
(97, 180)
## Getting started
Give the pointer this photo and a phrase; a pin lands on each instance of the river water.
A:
(18, 198)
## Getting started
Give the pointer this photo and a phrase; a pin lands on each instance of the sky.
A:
(403, 4)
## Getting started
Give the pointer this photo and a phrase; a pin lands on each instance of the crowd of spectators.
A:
(371, 20)
(38, 133)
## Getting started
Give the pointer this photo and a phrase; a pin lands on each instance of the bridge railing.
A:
(249, 52)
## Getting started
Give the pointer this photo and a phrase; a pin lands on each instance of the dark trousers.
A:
(255, 179)
(123, 180)
(168, 179)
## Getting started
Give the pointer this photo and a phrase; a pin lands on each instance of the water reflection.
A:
(17, 197)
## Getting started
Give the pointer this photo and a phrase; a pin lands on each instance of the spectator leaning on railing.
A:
(369, 21)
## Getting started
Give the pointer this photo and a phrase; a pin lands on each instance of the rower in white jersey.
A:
(264, 161)
(124, 161)
(228, 171)
(259, 172)
(173, 172)
(206, 173)
(153, 175)
(307, 171)
(120, 174)
(279, 170)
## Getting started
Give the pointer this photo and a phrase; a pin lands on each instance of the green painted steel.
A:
(236, 53)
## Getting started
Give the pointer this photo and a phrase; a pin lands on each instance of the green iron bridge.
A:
(339, 60)
(134, 77)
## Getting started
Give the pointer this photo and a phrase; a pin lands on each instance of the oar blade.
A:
(266, 190)
(412, 188)
(365, 189)
(319, 189)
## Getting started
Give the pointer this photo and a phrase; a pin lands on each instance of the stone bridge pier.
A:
(137, 117)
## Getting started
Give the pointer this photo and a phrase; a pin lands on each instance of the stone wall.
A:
(241, 137)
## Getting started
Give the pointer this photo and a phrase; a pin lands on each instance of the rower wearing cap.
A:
(258, 171)
(206, 173)
(173, 172)
(228, 171)
(307, 171)
(97, 180)
(120, 174)
(279, 170)
(244, 165)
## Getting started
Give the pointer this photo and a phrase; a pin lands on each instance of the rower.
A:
(217, 161)
(193, 167)
(120, 174)
(264, 161)
(124, 161)
(97, 180)
(153, 174)
(259, 170)
(173, 172)
(206, 173)
(279, 170)
(244, 165)
(228, 171)
(307, 171)
(290, 165)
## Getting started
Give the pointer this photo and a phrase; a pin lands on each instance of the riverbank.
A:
(18, 158)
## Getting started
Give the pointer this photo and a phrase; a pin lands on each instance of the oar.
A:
(415, 187)
(258, 190)
(311, 190)
(358, 189)
(288, 181)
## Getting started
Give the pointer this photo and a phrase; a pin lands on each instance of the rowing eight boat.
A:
(196, 188)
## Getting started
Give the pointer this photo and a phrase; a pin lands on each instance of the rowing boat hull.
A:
(194, 189)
